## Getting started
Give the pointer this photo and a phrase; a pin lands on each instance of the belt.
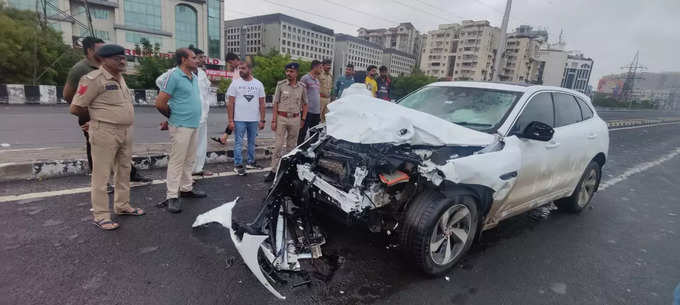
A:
(288, 114)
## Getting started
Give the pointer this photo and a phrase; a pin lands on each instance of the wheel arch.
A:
(600, 158)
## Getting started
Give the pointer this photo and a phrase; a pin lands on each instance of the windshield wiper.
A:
(473, 124)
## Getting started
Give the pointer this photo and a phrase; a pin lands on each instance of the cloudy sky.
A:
(608, 31)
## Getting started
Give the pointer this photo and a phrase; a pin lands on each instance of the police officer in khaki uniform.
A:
(103, 100)
(326, 82)
(290, 99)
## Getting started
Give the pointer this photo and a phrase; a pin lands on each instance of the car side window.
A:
(539, 108)
(567, 111)
(586, 112)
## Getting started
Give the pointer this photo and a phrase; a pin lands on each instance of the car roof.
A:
(506, 86)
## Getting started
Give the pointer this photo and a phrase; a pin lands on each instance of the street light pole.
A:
(501, 42)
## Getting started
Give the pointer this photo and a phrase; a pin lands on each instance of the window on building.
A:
(214, 37)
(186, 26)
(136, 38)
(143, 13)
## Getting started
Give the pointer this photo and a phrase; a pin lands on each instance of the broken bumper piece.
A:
(270, 246)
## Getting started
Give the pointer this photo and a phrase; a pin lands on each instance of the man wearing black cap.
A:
(87, 65)
(103, 99)
(289, 100)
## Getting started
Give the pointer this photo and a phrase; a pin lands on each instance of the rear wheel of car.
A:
(438, 230)
(585, 189)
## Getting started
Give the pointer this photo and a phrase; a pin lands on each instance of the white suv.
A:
(442, 164)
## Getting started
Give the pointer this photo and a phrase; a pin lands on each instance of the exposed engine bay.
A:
(366, 184)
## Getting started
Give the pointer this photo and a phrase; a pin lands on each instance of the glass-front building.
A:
(214, 29)
(170, 23)
(186, 26)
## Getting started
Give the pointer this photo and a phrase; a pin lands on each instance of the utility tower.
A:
(629, 79)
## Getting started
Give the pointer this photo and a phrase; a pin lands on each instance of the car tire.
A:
(585, 189)
(433, 246)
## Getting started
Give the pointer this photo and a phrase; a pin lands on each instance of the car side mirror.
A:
(538, 131)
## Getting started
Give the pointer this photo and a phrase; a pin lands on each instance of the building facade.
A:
(403, 37)
(577, 73)
(521, 60)
(398, 62)
(359, 52)
(460, 51)
(554, 62)
(171, 24)
(282, 33)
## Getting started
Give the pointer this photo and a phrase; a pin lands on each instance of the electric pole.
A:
(630, 78)
(501, 42)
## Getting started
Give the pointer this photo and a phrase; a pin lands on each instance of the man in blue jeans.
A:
(245, 109)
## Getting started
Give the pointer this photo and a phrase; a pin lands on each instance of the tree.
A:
(403, 85)
(151, 66)
(32, 53)
(270, 69)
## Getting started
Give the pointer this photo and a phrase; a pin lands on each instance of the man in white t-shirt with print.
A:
(245, 109)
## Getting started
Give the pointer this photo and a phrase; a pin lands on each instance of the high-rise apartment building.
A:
(398, 62)
(460, 51)
(282, 33)
(521, 60)
(403, 37)
(359, 52)
(170, 23)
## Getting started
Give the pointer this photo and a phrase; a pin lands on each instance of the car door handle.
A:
(592, 136)
(552, 145)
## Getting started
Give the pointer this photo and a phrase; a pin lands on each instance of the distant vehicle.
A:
(441, 165)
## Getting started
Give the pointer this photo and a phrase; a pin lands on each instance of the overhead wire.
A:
(312, 13)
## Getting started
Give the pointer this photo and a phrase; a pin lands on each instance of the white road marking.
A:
(80, 190)
(643, 126)
(638, 169)
(29, 149)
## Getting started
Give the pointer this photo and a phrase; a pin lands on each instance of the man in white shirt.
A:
(204, 90)
(245, 109)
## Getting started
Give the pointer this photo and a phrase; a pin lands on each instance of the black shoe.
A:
(174, 205)
(269, 177)
(193, 194)
(139, 178)
(240, 170)
(253, 166)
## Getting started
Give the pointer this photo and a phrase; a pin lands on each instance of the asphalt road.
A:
(38, 126)
(624, 250)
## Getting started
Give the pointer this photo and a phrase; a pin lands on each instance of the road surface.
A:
(624, 250)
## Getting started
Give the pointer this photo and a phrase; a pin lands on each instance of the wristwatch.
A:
(263, 121)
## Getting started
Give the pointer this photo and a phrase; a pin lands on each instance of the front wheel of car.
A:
(439, 230)
(585, 189)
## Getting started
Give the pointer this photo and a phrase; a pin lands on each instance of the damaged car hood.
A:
(368, 120)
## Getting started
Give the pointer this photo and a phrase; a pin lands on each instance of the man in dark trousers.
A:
(86, 65)
(313, 87)
(384, 84)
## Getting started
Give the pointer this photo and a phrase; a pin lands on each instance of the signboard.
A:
(209, 61)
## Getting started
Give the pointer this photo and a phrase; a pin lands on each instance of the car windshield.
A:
(476, 108)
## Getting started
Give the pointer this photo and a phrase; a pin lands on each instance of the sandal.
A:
(134, 212)
(106, 225)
